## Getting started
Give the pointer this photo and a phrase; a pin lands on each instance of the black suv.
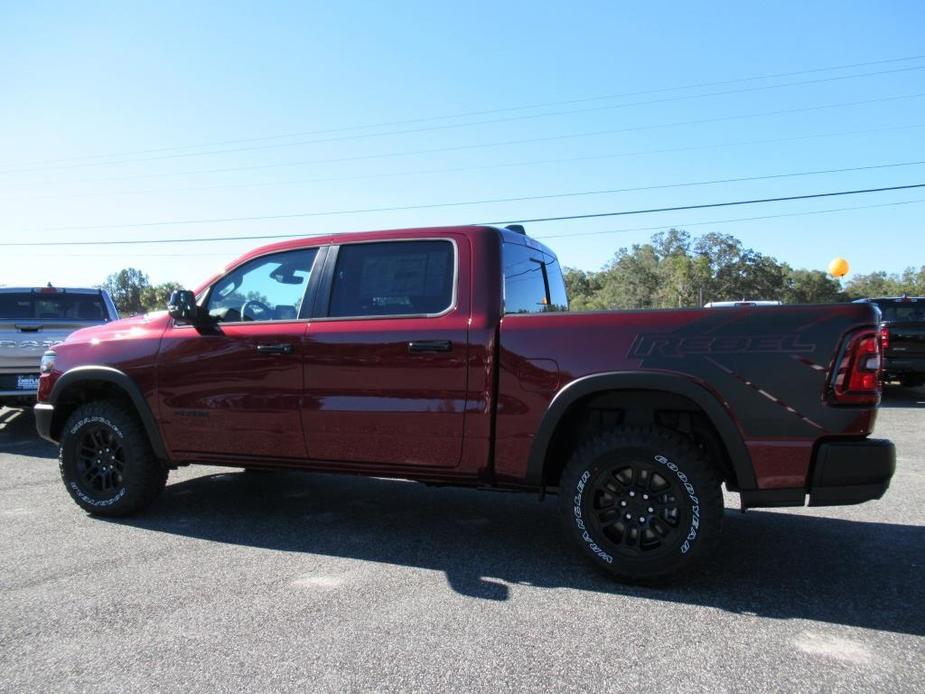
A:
(902, 334)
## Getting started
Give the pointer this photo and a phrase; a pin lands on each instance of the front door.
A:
(385, 358)
(234, 389)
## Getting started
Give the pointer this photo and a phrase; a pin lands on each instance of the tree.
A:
(154, 298)
(583, 289)
(731, 272)
(810, 287)
(133, 293)
(126, 288)
(911, 281)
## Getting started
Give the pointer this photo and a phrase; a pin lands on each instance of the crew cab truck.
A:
(448, 356)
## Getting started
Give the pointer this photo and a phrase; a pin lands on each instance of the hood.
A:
(124, 329)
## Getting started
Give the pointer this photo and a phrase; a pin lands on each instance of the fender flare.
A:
(641, 380)
(82, 374)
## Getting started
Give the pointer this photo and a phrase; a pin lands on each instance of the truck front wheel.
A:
(643, 504)
(106, 461)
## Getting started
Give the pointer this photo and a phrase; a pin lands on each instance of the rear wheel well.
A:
(603, 411)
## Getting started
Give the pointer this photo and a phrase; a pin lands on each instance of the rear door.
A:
(385, 359)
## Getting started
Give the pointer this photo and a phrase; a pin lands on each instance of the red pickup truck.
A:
(448, 356)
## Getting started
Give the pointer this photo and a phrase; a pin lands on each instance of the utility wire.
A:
(489, 201)
(732, 203)
(268, 237)
(535, 220)
(487, 111)
(506, 119)
(730, 221)
(479, 167)
(532, 140)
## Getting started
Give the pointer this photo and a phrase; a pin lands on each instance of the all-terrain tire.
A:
(643, 504)
(106, 461)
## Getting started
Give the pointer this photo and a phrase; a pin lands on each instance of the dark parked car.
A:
(447, 355)
(902, 336)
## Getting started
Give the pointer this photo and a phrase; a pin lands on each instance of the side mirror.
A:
(182, 306)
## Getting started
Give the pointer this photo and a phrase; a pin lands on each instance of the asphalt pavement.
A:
(239, 582)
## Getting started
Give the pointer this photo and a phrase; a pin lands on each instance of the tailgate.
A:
(22, 342)
(906, 338)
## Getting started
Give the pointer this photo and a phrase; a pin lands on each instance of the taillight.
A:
(857, 378)
(884, 337)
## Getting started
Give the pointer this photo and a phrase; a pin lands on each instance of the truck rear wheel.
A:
(643, 504)
(106, 461)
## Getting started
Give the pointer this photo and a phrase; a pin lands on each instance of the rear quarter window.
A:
(533, 281)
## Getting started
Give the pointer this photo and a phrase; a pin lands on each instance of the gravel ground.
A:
(237, 582)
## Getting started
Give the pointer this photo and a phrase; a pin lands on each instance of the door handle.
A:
(284, 348)
(430, 346)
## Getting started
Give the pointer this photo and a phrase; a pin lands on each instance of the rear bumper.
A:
(44, 414)
(852, 472)
(844, 472)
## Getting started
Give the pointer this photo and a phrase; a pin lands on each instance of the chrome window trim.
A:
(204, 295)
(454, 299)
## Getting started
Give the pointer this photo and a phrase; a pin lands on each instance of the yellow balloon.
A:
(838, 267)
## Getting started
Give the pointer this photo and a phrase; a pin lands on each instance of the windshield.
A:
(902, 311)
(60, 306)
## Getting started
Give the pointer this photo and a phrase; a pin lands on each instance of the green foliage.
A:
(154, 297)
(910, 281)
(673, 270)
(132, 292)
(810, 287)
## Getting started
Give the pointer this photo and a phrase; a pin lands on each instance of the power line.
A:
(535, 220)
(532, 140)
(507, 119)
(757, 201)
(482, 167)
(541, 237)
(489, 201)
(491, 111)
(730, 221)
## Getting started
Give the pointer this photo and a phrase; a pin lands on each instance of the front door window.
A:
(269, 288)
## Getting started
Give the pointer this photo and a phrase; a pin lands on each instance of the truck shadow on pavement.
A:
(17, 435)
(770, 564)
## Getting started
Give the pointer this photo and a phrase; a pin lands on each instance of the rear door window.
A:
(393, 278)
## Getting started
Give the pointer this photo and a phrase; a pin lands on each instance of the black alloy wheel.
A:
(100, 462)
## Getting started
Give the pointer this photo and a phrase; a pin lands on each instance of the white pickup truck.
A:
(34, 319)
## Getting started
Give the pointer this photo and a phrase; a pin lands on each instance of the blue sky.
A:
(111, 114)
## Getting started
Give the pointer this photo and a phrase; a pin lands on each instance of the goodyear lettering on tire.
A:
(83, 497)
(695, 502)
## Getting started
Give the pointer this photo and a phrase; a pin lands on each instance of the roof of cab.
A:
(508, 235)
